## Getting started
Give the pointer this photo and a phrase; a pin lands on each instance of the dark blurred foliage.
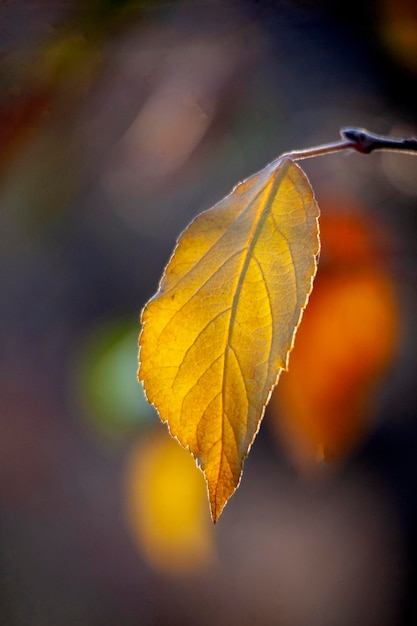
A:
(119, 121)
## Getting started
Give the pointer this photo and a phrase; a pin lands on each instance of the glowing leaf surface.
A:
(219, 330)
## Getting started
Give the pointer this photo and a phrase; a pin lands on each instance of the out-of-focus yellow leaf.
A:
(166, 506)
(218, 332)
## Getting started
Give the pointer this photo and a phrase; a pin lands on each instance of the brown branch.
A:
(361, 141)
(366, 142)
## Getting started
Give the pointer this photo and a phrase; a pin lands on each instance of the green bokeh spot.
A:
(112, 398)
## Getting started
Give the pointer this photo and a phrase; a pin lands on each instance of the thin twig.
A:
(366, 142)
(361, 141)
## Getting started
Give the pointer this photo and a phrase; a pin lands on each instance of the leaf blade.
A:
(219, 330)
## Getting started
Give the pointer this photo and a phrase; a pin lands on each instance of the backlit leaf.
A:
(218, 332)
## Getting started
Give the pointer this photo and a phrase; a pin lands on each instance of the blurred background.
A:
(119, 122)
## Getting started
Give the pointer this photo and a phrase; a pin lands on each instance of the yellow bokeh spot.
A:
(166, 506)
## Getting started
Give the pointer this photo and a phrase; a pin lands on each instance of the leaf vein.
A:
(203, 284)
(194, 385)
(293, 263)
(270, 306)
(253, 238)
(192, 345)
(218, 241)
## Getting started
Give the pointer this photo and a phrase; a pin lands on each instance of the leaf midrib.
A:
(253, 239)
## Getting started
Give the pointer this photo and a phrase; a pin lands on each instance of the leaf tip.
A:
(219, 494)
(216, 509)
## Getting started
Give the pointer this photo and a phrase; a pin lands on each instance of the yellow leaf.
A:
(218, 332)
